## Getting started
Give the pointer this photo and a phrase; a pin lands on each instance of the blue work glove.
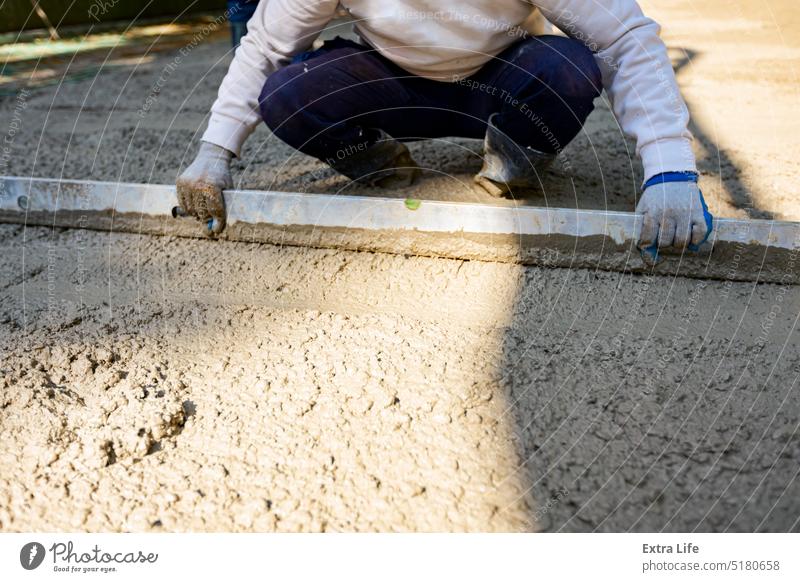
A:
(674, 214)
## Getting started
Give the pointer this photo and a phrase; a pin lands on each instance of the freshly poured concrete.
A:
(155, 383)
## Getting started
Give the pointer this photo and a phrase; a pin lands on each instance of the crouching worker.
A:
(465, 69)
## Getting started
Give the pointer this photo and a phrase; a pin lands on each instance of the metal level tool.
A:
(741, 250)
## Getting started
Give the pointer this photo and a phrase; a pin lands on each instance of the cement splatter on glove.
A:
(674, 214)
(201, 184)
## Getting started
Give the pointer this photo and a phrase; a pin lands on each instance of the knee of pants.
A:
(281, 101)
(301, 101)
(565, 65)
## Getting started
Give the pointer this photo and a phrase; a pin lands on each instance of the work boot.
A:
(508, 165)
(386, 163)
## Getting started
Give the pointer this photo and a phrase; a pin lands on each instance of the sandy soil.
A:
(156, 384)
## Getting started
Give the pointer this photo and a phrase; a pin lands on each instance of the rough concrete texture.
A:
(159, 384)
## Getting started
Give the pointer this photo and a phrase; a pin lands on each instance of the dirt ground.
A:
(159, 384)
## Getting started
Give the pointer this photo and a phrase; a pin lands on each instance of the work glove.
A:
(201, 184)
(674, 214)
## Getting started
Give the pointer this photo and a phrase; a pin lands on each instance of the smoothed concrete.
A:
(739, 250)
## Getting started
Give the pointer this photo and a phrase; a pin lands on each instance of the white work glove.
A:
(674, 215)
(201, 184)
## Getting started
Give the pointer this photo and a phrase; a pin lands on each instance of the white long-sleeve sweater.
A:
(451, 39)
